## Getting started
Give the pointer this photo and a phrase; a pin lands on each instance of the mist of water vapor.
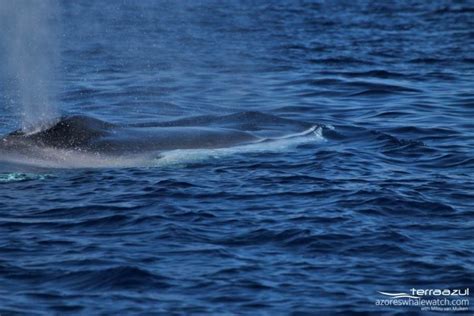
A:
(29, 38)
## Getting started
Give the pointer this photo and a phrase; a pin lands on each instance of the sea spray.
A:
(30, 50)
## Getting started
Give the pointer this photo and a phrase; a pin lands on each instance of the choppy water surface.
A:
(381, 201)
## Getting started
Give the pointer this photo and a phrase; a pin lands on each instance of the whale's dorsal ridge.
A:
(82, 121)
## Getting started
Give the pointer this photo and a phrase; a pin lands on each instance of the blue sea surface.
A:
(382, 201)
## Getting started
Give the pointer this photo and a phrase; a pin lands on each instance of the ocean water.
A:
(381, 199)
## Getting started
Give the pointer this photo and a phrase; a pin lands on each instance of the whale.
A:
(71, 139)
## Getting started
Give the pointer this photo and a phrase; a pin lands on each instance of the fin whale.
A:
(93, 135)
(87, 135)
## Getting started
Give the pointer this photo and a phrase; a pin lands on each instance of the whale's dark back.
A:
(76, 131)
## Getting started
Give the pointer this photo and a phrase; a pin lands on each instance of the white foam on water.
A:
(17, 176)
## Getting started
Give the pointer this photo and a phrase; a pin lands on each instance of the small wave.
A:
(391, 114)
(113, 221)
(390, 142)
(372, 92)
(315, 82)
(429, 60)
(374, 89)
(402, 206)
(339, 60)
(453, 10)
(382, 74)
(118, 278)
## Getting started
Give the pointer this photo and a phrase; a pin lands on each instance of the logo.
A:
(419, 293)
(440, 300)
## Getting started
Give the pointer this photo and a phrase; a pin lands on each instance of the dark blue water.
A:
(383, 203)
